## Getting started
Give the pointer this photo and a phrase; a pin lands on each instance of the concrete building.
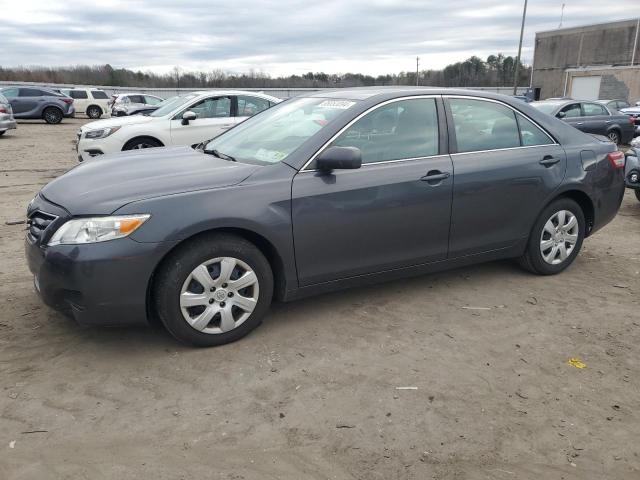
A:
(588, 63)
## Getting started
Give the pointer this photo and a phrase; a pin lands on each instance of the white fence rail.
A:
(170, 92)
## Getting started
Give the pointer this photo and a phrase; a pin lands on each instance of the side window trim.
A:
(453, 145)
(442, 126)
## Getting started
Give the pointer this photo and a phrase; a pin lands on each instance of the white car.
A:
(186, 120)
(90, 101)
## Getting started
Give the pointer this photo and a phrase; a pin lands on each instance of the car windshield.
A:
(545, 107)
(172, 104)
(272, 135)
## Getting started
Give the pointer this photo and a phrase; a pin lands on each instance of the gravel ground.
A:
(317, 391)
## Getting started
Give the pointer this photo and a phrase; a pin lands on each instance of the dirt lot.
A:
(313, 393)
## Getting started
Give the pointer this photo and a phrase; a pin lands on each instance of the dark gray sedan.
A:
(591, 117)
(319, 193)
(32, 103)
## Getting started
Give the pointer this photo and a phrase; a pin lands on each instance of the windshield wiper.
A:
(221, 155)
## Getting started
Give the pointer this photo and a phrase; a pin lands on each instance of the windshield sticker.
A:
(269, 155)
(341, 104)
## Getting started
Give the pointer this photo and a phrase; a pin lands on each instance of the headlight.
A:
(101, 132)
(97, 229)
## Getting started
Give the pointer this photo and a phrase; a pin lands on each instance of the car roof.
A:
(367, 93)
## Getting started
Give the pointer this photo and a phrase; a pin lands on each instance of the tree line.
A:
(495, 71)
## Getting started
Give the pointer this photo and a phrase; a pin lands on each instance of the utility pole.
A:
(417, 67)
(517, 69)
(561, 16)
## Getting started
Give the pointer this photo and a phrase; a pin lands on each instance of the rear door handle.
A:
(579, 123)
(549, 161)
(435, 176)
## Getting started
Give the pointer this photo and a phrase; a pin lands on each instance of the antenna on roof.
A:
(561, 16)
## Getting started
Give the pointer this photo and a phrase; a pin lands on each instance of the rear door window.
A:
(249, 106)
(30, 92)
(99, 95)
(151, 100)
(593, 110)
(530, 134)
(482, 125)
(136, 98)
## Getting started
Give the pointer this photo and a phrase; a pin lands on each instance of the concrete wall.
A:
(608, 44)
(620, 82)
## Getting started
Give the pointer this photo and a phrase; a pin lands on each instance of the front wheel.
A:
(213, 290)
(142, 142)
(556, 238)
(52, 115)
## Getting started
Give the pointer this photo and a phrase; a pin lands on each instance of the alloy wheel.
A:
(559, 237)
(219, 295)
(614, 137)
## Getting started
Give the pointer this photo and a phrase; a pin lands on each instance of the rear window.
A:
(78, 94)
(99, 95)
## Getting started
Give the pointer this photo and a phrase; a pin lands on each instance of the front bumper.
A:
(87, 149)
(103, 283)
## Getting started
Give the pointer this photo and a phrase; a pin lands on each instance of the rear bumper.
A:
(9, 124)
(96, 284)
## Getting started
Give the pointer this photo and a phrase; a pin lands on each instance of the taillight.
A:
(3, 109)
(68, 101)
(616, 159)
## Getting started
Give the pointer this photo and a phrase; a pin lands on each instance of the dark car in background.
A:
(32, 103)
(7, 122)
(614, 104)
(634, 113)
(591, 117)
(318, 193)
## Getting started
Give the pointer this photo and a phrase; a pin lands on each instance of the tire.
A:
(52, 115)
(3, 132)
(533, 259)
(614, 136)
(142, 142)
(637, 194)
(94, 112)
(200, 322)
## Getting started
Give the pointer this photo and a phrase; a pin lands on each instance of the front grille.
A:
(37, 223)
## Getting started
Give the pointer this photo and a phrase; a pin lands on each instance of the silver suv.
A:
(7, 122)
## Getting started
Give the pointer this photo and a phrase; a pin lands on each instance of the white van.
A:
(90, 101)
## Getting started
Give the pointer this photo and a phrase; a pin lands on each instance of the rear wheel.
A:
(94, 112)
(614, 136)
(52, 115)
(142, 142)
(556, 238)
(213, 290)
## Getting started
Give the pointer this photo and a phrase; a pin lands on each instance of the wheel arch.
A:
(584, 201)
(140, 137)
(263, 244)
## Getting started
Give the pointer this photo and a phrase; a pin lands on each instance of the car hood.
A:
(630, 110)
(103, 184)
(118, 122)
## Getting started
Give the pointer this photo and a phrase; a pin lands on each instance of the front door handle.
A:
(435, 177)
(579, 123)
(549, 161)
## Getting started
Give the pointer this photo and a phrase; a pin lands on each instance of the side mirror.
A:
(339, 158)
(561, 114)
(188, 116)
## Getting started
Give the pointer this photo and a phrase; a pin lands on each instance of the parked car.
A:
(634, 113)
(632, 169)
(186, 120)
(31, 102)
(138, 109)
(124, 104)
(91, 101)
(590, 117)
(614, 104)
(7, 122)
(318, 193)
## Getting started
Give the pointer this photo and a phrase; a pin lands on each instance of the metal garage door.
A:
(585, 88)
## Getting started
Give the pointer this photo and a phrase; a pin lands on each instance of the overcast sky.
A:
(281, 37)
